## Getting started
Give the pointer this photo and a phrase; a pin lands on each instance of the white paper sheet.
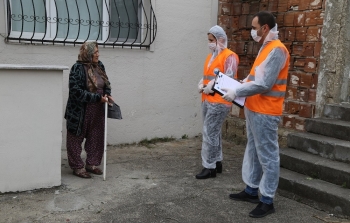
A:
(223, 81)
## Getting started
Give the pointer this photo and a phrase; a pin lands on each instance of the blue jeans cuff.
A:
(266, 200)
(251, 191)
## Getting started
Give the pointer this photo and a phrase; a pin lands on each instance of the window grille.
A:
(122, 23)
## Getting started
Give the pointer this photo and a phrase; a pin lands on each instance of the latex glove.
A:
(230, 94)
(208, 89)
(200, 86)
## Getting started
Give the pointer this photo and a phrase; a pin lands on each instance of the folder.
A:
(224, 81)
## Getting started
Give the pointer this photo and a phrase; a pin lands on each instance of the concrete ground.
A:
(151, 184)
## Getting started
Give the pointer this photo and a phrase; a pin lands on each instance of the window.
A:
(110, 22)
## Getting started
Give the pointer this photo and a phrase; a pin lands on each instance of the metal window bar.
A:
(115, 23)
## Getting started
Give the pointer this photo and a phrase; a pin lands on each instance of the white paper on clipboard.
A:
(224, 81)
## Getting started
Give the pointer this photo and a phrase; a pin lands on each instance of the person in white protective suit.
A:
(264, 88)
(214, 107)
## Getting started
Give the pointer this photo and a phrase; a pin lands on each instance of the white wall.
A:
(157, 91)
(30, 131)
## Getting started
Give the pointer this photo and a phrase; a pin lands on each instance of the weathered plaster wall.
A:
(333, 84)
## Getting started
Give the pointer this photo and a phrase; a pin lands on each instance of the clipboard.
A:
(224, 81)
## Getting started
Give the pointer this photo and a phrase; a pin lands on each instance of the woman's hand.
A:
(104, 98)
(110, 98)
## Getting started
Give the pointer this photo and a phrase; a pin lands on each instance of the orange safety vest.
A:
(271, 102)
(208, 75)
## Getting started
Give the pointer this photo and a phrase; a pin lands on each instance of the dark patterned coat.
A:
(79, 96)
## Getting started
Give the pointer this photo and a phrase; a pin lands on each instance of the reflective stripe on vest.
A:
(270, 102)
(208, 75)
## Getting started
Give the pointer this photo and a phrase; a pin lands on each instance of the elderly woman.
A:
(89, 88)
(214, 107)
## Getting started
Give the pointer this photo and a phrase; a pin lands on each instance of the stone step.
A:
(316, 166)
(337, 111)
(328, 127)
(327, 147)
(316, 193)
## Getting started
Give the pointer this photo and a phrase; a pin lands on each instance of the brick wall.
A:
(300, 25)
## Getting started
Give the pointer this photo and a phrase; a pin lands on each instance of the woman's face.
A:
(211, 38)
(95, 56)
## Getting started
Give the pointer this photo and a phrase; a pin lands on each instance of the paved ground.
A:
(154, 184)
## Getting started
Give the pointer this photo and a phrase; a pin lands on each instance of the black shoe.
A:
(262, 210)
(206, 173)
(219, 167)
(243, 196)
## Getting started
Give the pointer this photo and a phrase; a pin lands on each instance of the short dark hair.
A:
(265, 17)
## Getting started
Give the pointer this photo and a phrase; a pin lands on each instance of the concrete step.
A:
(328, 127)
(327, 147)
(316, 193)
(337, 111)
(316, 166)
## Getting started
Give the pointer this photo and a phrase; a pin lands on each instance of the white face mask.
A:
(255, 36)
(212, 46)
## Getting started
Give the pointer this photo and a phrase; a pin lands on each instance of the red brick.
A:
(299, 19)
(316, 4)
(242, 23)
(254, 8)
(249, 21)
(288, 46)
(313, 33)
(289, 121)
(314, 81)
(317, 49)
(299, 123)
(304, 5)
(293, 107)
(273, 6)
(256, 48)
(310, 65)
(245, 34)
(282, 34)
(303, 94)
(312, 95)
(294, 78)
(224, 21)
(285, 107)
(236, 8)
(241, 113)
(313, 18)
(297, 49)
(308, 49)
(225, 8)
(292, 93)
(305, 80)
(245, 61)
(282, 6)
(263, 6)
(237, 47)
(245, 8)
(250, 46)
(293, 4)
(280, 20)
(300, 33)
(288, 19)
(289, 34)
(235, 23)
(299, 62)
(291, 63)
(307, 110)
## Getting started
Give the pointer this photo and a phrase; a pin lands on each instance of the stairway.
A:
(315, 168)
